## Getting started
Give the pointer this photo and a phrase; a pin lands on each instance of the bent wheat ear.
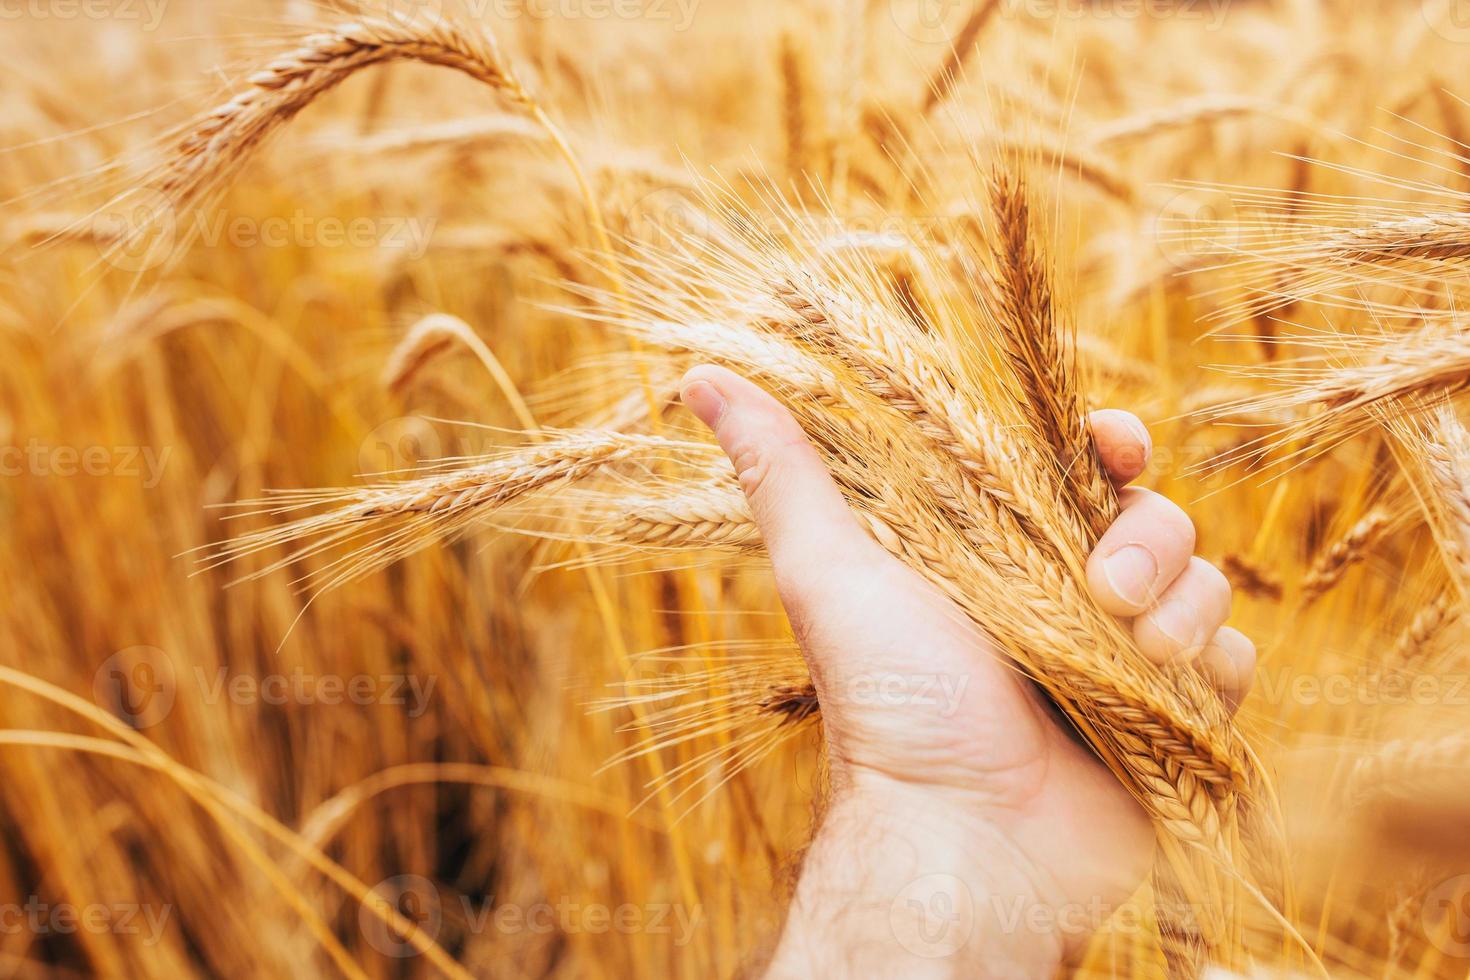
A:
(218, 144)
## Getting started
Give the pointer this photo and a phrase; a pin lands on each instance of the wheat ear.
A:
(794, 105)
(1040, 353)
(1333, 563)
(219, 143)
(1428, 624)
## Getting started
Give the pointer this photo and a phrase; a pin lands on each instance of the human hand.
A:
(957, 791)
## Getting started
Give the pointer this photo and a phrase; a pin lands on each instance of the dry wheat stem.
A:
(1125, 699)
(1202, 111)
(1167, 736)
(903, 369)
(214, 147)
(947, 76)
(794, 105)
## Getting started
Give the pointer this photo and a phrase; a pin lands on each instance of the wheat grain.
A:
(399, 518)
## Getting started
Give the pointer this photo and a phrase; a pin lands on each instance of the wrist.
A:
(911, 881)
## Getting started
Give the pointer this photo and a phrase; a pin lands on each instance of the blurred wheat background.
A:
(207, 779)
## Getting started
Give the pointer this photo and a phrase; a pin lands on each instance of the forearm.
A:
(892, 887)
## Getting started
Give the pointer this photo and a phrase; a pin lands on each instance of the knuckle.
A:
(759, 464)
(1177, 523)
(1216, 582)
(752, 467)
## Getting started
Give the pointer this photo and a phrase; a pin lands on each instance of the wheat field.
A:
(372, 607)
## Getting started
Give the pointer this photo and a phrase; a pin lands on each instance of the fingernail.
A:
(705, 401)
(1132, 571)
(1179, 620)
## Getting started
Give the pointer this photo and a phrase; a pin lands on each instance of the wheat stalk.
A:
(1447, 466)
(947, 76)
(1202, 111)
(1435, 237)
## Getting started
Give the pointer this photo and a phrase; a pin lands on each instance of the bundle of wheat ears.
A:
(954, 422)
(941, 378)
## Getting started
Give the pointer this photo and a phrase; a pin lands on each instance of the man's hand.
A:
(968, 833)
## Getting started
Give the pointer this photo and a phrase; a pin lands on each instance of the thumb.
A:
(803, 518)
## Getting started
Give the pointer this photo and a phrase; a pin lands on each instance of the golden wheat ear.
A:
(361, 530)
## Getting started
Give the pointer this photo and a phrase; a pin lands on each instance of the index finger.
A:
(1123, 443)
